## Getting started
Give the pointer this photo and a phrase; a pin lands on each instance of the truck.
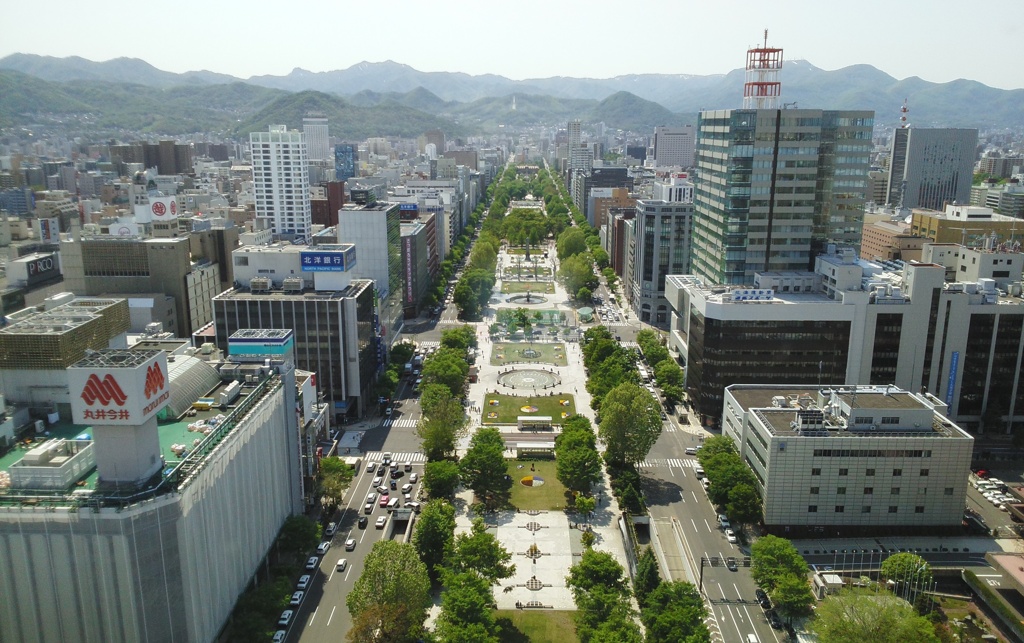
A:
(408, 368)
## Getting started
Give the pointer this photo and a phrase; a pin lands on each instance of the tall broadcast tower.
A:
(762, 89)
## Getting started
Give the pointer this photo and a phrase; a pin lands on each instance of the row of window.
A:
(816, 471)
(873, 453)
(866, 509)
(869, 491)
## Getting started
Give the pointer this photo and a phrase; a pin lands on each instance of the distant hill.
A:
(484, 101)
(348, 121)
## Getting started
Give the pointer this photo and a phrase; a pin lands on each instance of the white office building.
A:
(850, 459)
(318, 140)
(674, 146)
(281, 182)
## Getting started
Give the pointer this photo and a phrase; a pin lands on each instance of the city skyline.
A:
(870, 35)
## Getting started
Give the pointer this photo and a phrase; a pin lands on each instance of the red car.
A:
(384, 500)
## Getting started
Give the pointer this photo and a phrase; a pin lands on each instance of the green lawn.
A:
(550, 496)
(536, 626)
(549, 354)
(521, 250)
(509, 407)
(513, 287)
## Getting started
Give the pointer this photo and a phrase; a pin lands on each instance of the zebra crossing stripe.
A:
(377, 456)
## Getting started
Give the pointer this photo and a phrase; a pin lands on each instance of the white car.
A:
(323, 547)
(381, 521)
(414, 478)
(406, 488)
(342, 564)
(730, 535)
(377, 481)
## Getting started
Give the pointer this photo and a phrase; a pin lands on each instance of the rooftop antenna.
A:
(762, 88)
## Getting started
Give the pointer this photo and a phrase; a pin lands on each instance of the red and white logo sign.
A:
(154, 380)
(174, 208)
(159, 209)
(103, 391)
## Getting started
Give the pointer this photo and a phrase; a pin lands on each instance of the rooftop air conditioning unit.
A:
(294, 284)
(259, 284)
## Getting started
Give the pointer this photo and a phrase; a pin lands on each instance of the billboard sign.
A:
(408, 270)
(954, 364)
(42, 267)
(49, 230)
(340, 260)
(119, 387)
(163, 208)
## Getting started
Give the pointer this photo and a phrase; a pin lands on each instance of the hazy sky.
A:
(938, 40)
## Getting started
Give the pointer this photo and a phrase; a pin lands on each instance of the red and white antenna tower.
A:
(762, 89)
(903, 115)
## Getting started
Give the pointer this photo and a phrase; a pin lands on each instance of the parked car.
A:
(762, 599)
(312, 562)
(303, 581)
(296, 598)
(323, 547)
(730, 535)
(286, 618)
(774, 620)
(332, 528)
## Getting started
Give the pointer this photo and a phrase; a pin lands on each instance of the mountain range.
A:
(462, 103)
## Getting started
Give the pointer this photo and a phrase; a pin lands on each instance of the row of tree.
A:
(779, 569)
(670, 611)
(667, 373)
(732, 483)
(577, 461)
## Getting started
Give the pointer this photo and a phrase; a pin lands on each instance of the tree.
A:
(597, 568)
(675, 612)
(744, 504)
(669, 377)
(577, 463)
(447, 366)
(480, 553)
(584, 505)
(714, 445)
(395, 586)
(441, 478)
(467, 610)
(572, 241)
(772, 558)
(859, 615)
(792, 596)
(576, 272)
(431, 394)
(335, 477)
(483, 468)
(461, 339)
(442, 429)
(584, 295)
(630, 423)
(647, 576)
(435, 535)
(466, 300)
(601, 593)
(906, 569)
(298, 535)
(601, 258)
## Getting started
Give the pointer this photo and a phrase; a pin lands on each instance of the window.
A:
(814, 491)
(812, 509)
(924, 473)
(844, 472)
(815, 472)
(841, 491)
(895, 491)
(869, 472)
(864, 419)
(948, 491)
(868, 491)
(897, 472)
(891, 419)
(919, 509)
(840, 509)
(893, 509)
(866, 509)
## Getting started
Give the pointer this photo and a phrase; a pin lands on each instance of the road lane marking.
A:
(708, 526)
(331, 616)
(312, 616)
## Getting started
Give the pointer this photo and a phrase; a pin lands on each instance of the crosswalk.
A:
(630, 344)
(680, 463)
(404, 423)
(429, 344)
(378, 456)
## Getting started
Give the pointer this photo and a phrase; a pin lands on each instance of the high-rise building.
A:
(376, 230)
(318, 147)
(344, 161)
(929, 167)
(436, 138)
(281, 182)
(657, 244)
(775, 187)
(674, 146)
